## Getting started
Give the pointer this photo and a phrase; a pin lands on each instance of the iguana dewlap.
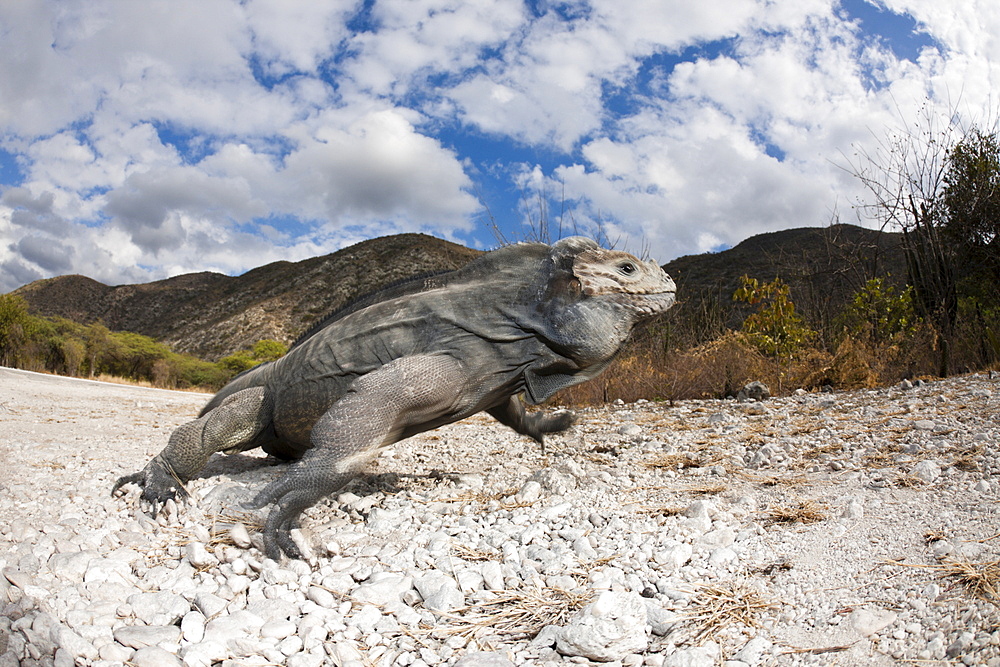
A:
(528, 319)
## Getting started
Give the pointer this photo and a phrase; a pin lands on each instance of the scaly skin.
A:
(523, 321)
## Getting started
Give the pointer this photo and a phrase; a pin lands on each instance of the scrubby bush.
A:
(775, 329)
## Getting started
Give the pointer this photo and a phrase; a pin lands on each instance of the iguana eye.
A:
(627, 269)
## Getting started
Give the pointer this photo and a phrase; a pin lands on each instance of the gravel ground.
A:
(829, 529)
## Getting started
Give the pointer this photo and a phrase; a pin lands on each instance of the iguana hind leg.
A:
(232, 426)
(377, 409)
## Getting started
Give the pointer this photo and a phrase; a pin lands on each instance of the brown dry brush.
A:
(721, 367)
(979, 579)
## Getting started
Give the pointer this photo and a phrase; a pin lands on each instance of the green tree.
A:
(74, 351)
(132, 355)
(193, 372)
(937, 182)
(268, 350)
(262, 351)
(878, 314)
(775, 328)
(972, 230)
(238, 362)
(972, 201)
(97, 339)
(16, 328)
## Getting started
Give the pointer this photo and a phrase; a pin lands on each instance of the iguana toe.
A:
(283, 517)
(134, 478)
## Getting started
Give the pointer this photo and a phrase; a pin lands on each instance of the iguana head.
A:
(599, 279)
(592, 300)
(642, 288)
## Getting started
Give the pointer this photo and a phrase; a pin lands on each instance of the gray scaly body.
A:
(528, 319)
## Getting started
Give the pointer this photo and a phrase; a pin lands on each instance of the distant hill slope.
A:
(824, 266)
(211, 315)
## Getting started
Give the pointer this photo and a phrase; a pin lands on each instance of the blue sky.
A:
(144, 140)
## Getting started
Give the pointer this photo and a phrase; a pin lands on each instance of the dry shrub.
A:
(728, 363)
(642, 370)
(919, 357)
(719, 368)
(853, 366)
(716, 369)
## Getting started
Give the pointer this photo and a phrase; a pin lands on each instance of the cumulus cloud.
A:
(296, 36)
(415, 40)
(379, 167)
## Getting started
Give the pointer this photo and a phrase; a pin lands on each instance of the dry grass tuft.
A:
(517, 614)
(697, 457)
(505, 498)
(932, 536)
(221, 523)
(51, 465)
(908, 481)
(806, 511)
(229, 518)
(677, 461)
(717, 606)
(771, 569)
(980, 580)
(706, 489)
(967, 460)
(598, 562)
(661, 510)
(472, 554)
(774, 480)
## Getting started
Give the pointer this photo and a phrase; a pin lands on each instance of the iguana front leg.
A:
(232, 426)
(375, 411)
(534, 425)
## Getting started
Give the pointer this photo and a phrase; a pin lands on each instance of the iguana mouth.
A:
(650, 303)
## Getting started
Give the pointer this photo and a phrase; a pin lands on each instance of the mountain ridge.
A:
(211, 315)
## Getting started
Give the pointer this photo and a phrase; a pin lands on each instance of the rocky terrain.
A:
(828, 529)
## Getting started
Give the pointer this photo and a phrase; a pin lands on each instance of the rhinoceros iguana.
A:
(527, 319)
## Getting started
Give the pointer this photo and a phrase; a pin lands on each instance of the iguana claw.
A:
(158, 484)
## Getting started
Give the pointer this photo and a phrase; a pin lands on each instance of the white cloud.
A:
(692, 171)
(296, 36)
(380, 167)
(549, 86)
(419, 37)
(167, 136)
